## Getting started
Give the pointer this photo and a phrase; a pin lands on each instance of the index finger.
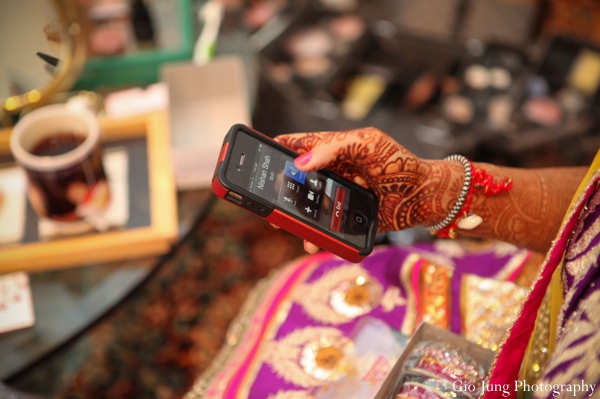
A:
(301, 142)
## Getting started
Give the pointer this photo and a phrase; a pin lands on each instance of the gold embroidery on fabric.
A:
(512, 265)
(578, 269)
(540, 351)
(309, 356)
(489, 307)
(501, 249)
(435, 294)
(324, 358)
(529, 270)
(392, 298)
(357, 295)
(561, 232)
(410, 317)
(437, 259)
(594, 179)
(291, 395)
(340, 295)
(242, 332)
(583, 243)
(450, 248)
(580, 346)
(459, 248)
(269, 335)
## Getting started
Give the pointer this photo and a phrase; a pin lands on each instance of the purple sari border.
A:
(415, 277)
(456, 324)
(513, 276)
(237, 381)
(513, 350)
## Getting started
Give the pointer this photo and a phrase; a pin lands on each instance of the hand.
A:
(411, 191)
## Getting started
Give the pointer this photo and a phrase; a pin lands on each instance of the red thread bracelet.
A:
(482, 181)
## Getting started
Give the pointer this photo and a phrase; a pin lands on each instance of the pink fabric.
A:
(508, 364)
(416, 272)
(234, 384)
(244, 373)
(518, 270)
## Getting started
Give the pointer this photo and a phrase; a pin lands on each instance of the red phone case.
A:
(291, 224)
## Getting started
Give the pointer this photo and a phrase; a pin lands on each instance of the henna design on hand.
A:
(414, 191)
(411, 191)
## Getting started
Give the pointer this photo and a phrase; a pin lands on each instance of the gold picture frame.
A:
(74, 30)
(151, 240)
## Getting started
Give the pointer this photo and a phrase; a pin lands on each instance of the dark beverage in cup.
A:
(60, 151)
(57, 144)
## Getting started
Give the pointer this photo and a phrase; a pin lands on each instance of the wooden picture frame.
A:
(151, 240)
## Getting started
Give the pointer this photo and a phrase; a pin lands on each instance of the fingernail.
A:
(303, 159)
(305, 246)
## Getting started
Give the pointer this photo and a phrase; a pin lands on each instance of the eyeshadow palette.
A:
(488, 88)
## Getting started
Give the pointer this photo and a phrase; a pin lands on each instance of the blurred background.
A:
(511, 82)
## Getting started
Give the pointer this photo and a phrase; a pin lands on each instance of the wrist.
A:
(443, 184)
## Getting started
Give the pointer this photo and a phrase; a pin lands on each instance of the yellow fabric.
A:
(593, 168)
(556, 287)
(556, 302)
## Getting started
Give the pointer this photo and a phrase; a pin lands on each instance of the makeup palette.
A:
(563, 88)
(318, 42)
(487, 89)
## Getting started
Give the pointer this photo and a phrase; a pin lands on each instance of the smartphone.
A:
(258, 174)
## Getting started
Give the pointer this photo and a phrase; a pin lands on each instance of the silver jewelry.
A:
(461, 198)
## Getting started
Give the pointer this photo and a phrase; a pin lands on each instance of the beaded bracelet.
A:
(461, 198)
(434, 353)
(440, 388)
(475, 179)
(435, 392)
(445, 370)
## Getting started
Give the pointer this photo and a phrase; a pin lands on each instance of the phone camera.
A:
(360, 219)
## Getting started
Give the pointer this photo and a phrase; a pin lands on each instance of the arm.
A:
(530, 214)
(414, 191)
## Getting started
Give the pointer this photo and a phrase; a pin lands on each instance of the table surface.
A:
(68, 301)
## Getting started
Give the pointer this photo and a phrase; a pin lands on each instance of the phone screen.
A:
(271, 174)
